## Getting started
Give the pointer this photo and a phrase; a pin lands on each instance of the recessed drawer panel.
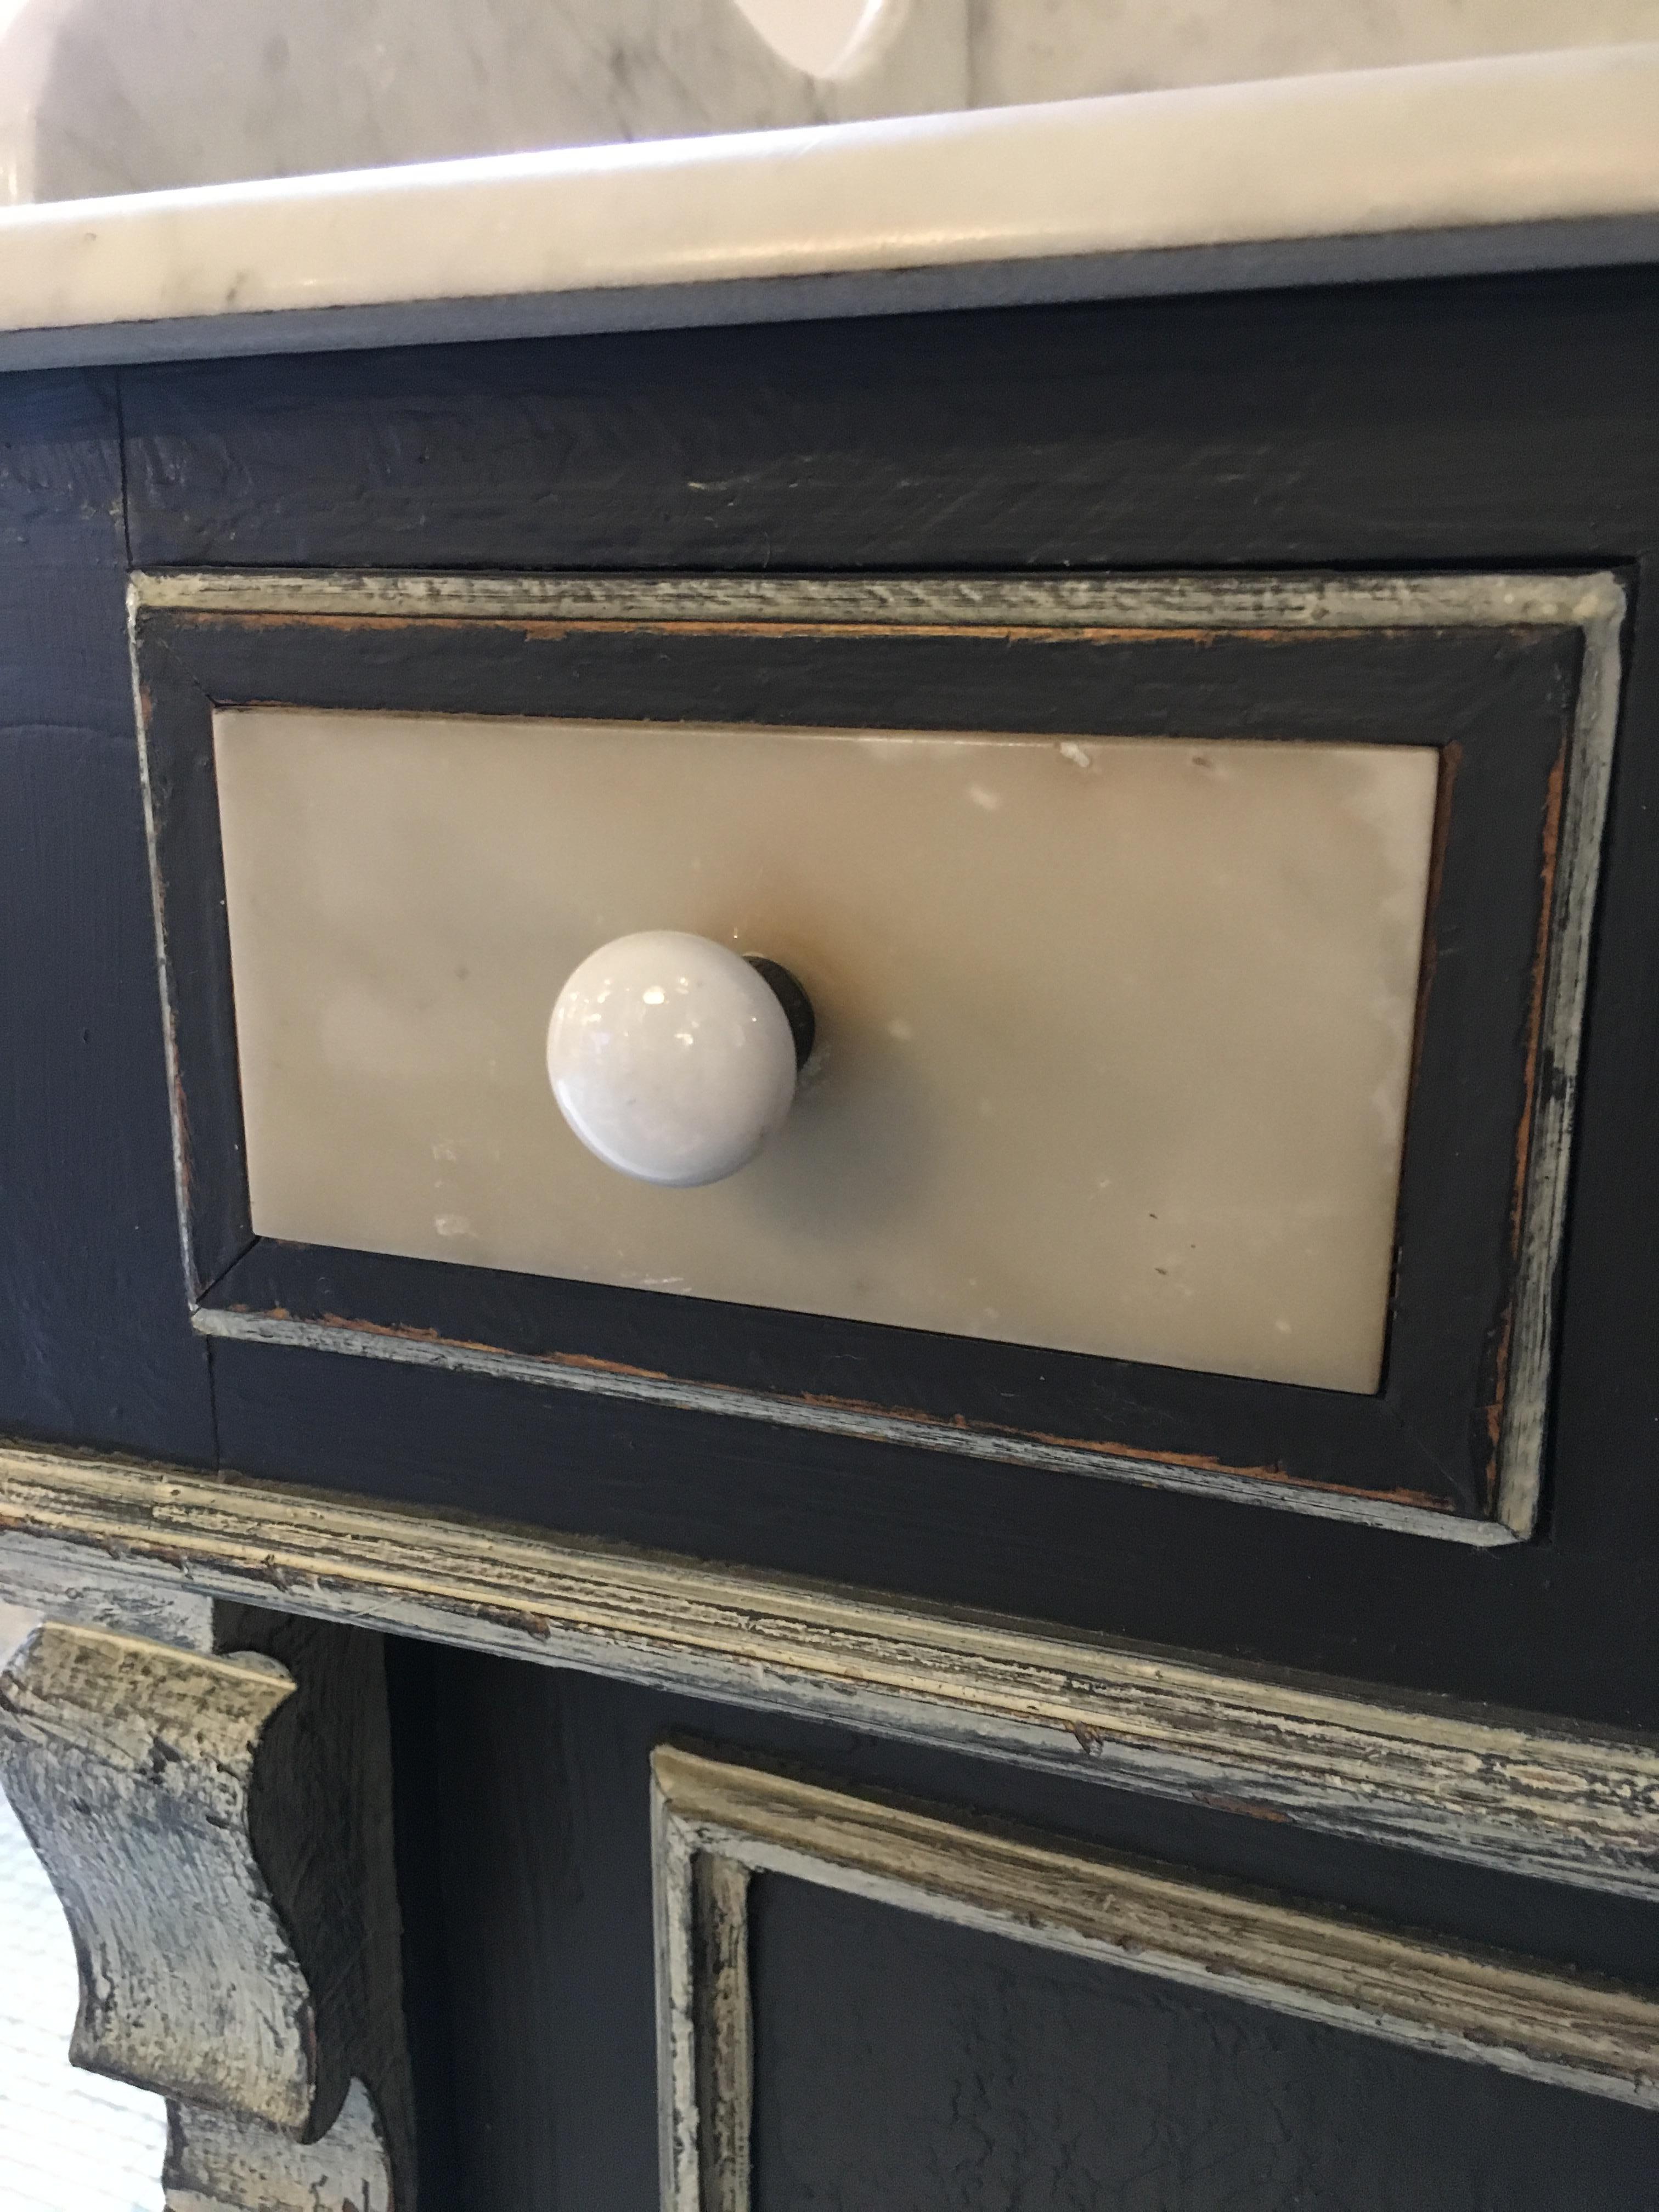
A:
(1112, 1036)
(1185, 976)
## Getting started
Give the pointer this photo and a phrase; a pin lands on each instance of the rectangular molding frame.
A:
(1518, 1794)
(1595, 603)
(717, 1824)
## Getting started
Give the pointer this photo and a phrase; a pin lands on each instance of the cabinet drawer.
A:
(1196, 969)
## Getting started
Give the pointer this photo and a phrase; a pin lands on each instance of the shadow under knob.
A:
(673, 1058)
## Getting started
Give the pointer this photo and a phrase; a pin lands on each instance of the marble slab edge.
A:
(1539, 161)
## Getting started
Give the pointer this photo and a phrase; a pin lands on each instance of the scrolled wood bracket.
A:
(217, 1826)
(129, 1764)
(216, 2164)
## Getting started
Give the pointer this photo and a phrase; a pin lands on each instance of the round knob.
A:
(673, 1058)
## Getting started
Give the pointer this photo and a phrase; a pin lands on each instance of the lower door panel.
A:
(665, 1953)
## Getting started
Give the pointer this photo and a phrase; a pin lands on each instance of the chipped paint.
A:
(1519, 1793)
(1096, 610)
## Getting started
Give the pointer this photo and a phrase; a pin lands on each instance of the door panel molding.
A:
(717, 1823)
(1507, 1790)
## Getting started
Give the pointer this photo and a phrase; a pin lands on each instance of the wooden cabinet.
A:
(902, 1682)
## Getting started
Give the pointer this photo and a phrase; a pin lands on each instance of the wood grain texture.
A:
(217, 2163)
(1406, 422)
(724, 2029)
(706, 2058)
(712, 1812)
(86, 1591)
(209, 1787)
(95, 1335)
(129, 1764)
(320, 1818)
(1500, 1790)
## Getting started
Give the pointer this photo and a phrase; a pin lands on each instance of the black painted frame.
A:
(1500, 702)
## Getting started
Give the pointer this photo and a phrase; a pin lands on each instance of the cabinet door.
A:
(658, 1946)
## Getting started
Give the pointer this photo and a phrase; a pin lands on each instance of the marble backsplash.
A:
(119, 95)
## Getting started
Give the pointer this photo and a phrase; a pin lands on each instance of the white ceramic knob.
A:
(674, 1057)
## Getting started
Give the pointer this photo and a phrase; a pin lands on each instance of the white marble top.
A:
(1528, 161)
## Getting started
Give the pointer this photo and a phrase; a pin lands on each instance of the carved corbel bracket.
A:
(216, 2164)
(217, 1829)
(129, 1765)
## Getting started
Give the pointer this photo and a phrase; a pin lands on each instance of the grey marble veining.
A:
(102, 96)
(1508, 163)
(1038, 50)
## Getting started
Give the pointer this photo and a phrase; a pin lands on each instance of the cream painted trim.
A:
(1520, 161)
(148, 1851)
(130, 1761)
(1594, 602)
(1508, 1791)
(914, 1432)
(716, 1824)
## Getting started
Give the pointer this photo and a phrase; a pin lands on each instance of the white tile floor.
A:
(69, 2141)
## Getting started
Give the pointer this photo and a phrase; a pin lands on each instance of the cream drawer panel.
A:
(1115, 1035)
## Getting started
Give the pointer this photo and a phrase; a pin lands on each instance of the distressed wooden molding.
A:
(218, 2164)
(82, 1587)
(717, 1823)
(129, 1765)
(1593, 603)
(1502, 1790)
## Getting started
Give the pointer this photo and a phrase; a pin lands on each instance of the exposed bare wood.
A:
(679, 2092)
(129, 1764)
(726, 2057)
(218, 2164)
(1502, 1790)
(717, 1822)
(1071, 602)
